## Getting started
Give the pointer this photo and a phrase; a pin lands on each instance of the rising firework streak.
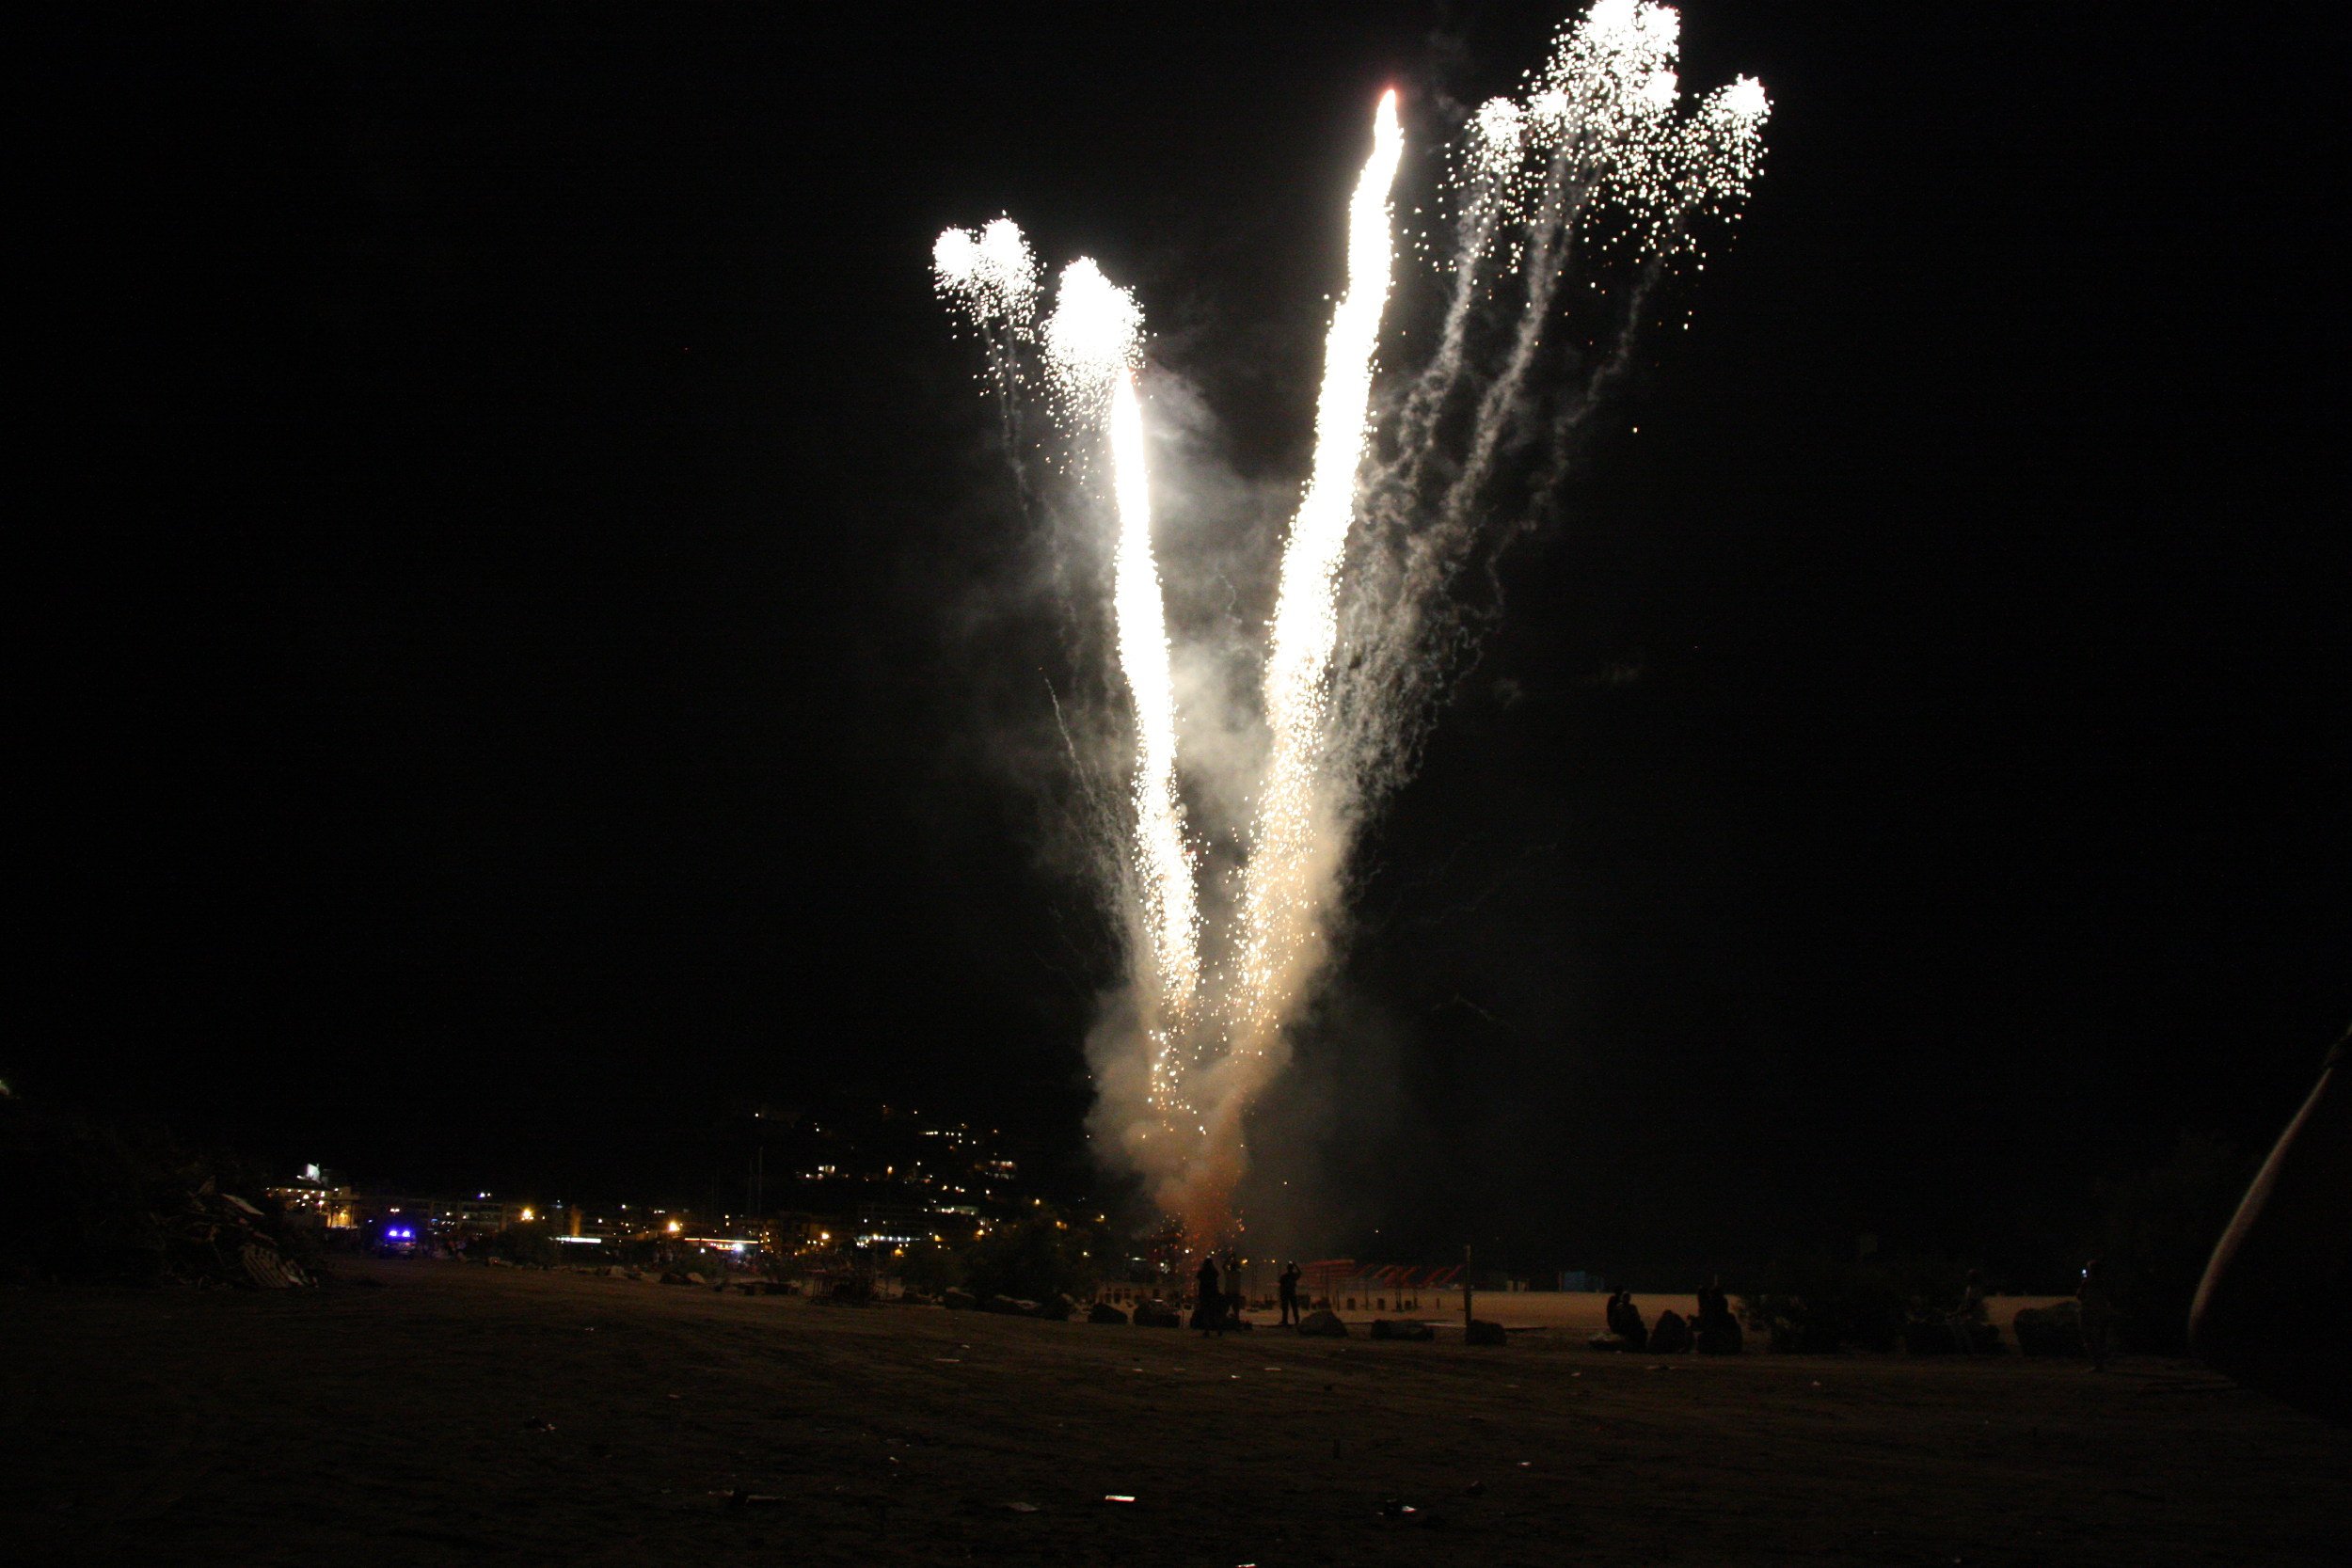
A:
(1602, 160)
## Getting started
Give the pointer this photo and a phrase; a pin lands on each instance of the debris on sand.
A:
(1322, 1324)
(216, 1238)
(1404, 1328)
(88, 1204)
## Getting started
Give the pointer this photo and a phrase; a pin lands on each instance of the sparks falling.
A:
(1600, 158)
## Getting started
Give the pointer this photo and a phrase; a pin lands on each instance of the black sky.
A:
(513, 654)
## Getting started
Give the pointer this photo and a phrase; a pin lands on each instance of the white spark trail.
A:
(1600, 137)
(1279, 912)
(1165, 863)
(1093, 343)
(1492, 161)
(1289, 881)
(1603, 119)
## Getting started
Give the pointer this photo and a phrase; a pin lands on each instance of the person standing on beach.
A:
(1208, 1308)
(1287, 1288)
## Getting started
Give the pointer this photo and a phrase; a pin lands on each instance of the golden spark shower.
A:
(1224, 864)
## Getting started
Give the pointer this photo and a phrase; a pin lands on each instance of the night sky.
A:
(519, 656)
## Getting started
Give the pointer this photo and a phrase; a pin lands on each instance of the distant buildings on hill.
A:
(874, 1182)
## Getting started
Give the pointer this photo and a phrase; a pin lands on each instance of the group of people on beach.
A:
(1219, 1300)
(1713, 1330)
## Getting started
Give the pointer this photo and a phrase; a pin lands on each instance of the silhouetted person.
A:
(1208, 1308)
(2266, 1313)
(1672, 1335)
(1625, 1321)
(2098, 1315)
(1718, 1330)
(1966, 1321)
(1235, 1298)
(1287, 1289)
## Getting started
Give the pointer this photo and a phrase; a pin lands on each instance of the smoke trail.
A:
(1599, 160)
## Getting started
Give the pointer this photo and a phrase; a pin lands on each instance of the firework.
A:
(1599, 157)
(991, 273)
(1093, 338)
(1163, 858)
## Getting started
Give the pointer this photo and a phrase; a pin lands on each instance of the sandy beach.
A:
(426, 1413)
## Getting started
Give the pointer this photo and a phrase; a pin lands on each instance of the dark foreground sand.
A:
(404, 1424)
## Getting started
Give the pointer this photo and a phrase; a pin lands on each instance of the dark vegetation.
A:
(932, 1269)
(1033, 1260)
(83, 1203)
(2156, 1232)
(532, 1245)
(2153, 1233)
(1819, 1302)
